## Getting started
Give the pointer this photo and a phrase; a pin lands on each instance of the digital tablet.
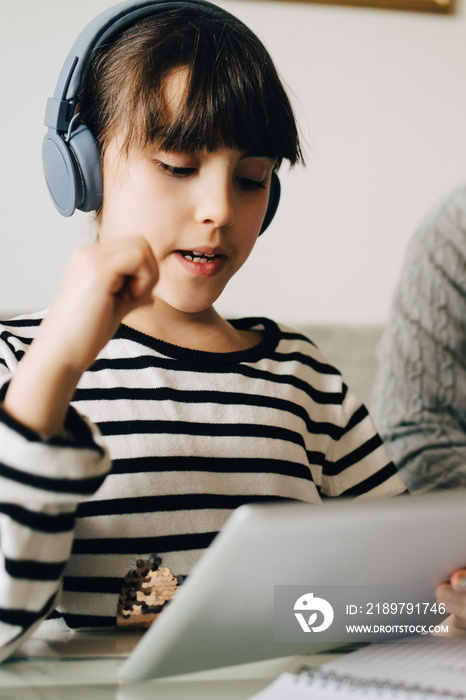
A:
(226, 611)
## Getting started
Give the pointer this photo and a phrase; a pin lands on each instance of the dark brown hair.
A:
(234, 97)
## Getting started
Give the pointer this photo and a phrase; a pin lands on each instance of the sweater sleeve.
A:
(358, 465)
(419, 399)
(41, 483)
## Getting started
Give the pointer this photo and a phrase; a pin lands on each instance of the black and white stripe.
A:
(192, 435)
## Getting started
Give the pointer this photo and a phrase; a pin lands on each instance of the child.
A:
(189, 414)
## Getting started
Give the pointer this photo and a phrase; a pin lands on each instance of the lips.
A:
(202, 263)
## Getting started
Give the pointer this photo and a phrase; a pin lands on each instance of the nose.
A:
(215, 202)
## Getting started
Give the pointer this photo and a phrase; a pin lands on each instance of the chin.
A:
(195, 301)
(191, 306)
(195, 309)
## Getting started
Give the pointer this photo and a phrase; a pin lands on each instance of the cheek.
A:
(247, 241)
(116, 218)
(252, 221)
(132, 209)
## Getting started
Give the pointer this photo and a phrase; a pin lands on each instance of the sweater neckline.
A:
(266, 346)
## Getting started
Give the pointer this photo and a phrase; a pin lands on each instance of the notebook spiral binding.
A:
(344, 681)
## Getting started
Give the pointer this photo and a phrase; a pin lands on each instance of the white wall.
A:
(381, 100)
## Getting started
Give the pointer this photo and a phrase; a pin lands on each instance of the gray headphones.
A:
(69, 153)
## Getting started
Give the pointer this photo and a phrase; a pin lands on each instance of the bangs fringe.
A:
(232, 97)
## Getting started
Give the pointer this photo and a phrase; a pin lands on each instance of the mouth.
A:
(197, 256)
(201, 263)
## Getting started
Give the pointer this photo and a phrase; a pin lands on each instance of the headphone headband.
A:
(70, 155)
(101, 30)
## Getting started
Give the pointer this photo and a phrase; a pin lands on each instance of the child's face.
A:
(201, 213)
(209, 203)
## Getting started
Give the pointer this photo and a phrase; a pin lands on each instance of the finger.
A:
(137, 288)
(459, 622)
(140, 284)
(132, 266)
(458, 578)
(454, 600)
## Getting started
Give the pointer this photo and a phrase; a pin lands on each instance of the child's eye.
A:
(248, 184)
(175, 170)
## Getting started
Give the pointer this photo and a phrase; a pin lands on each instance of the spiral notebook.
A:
(427, 668)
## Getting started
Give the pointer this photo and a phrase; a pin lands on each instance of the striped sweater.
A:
(190, 435)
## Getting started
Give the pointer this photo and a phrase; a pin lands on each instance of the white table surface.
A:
(85, 665)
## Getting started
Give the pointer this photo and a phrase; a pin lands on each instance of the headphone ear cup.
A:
(87, 168)
(72, 170)
(60, 173)
(274, 198)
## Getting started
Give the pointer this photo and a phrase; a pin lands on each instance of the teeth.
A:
(198, 257)
(202, 255)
